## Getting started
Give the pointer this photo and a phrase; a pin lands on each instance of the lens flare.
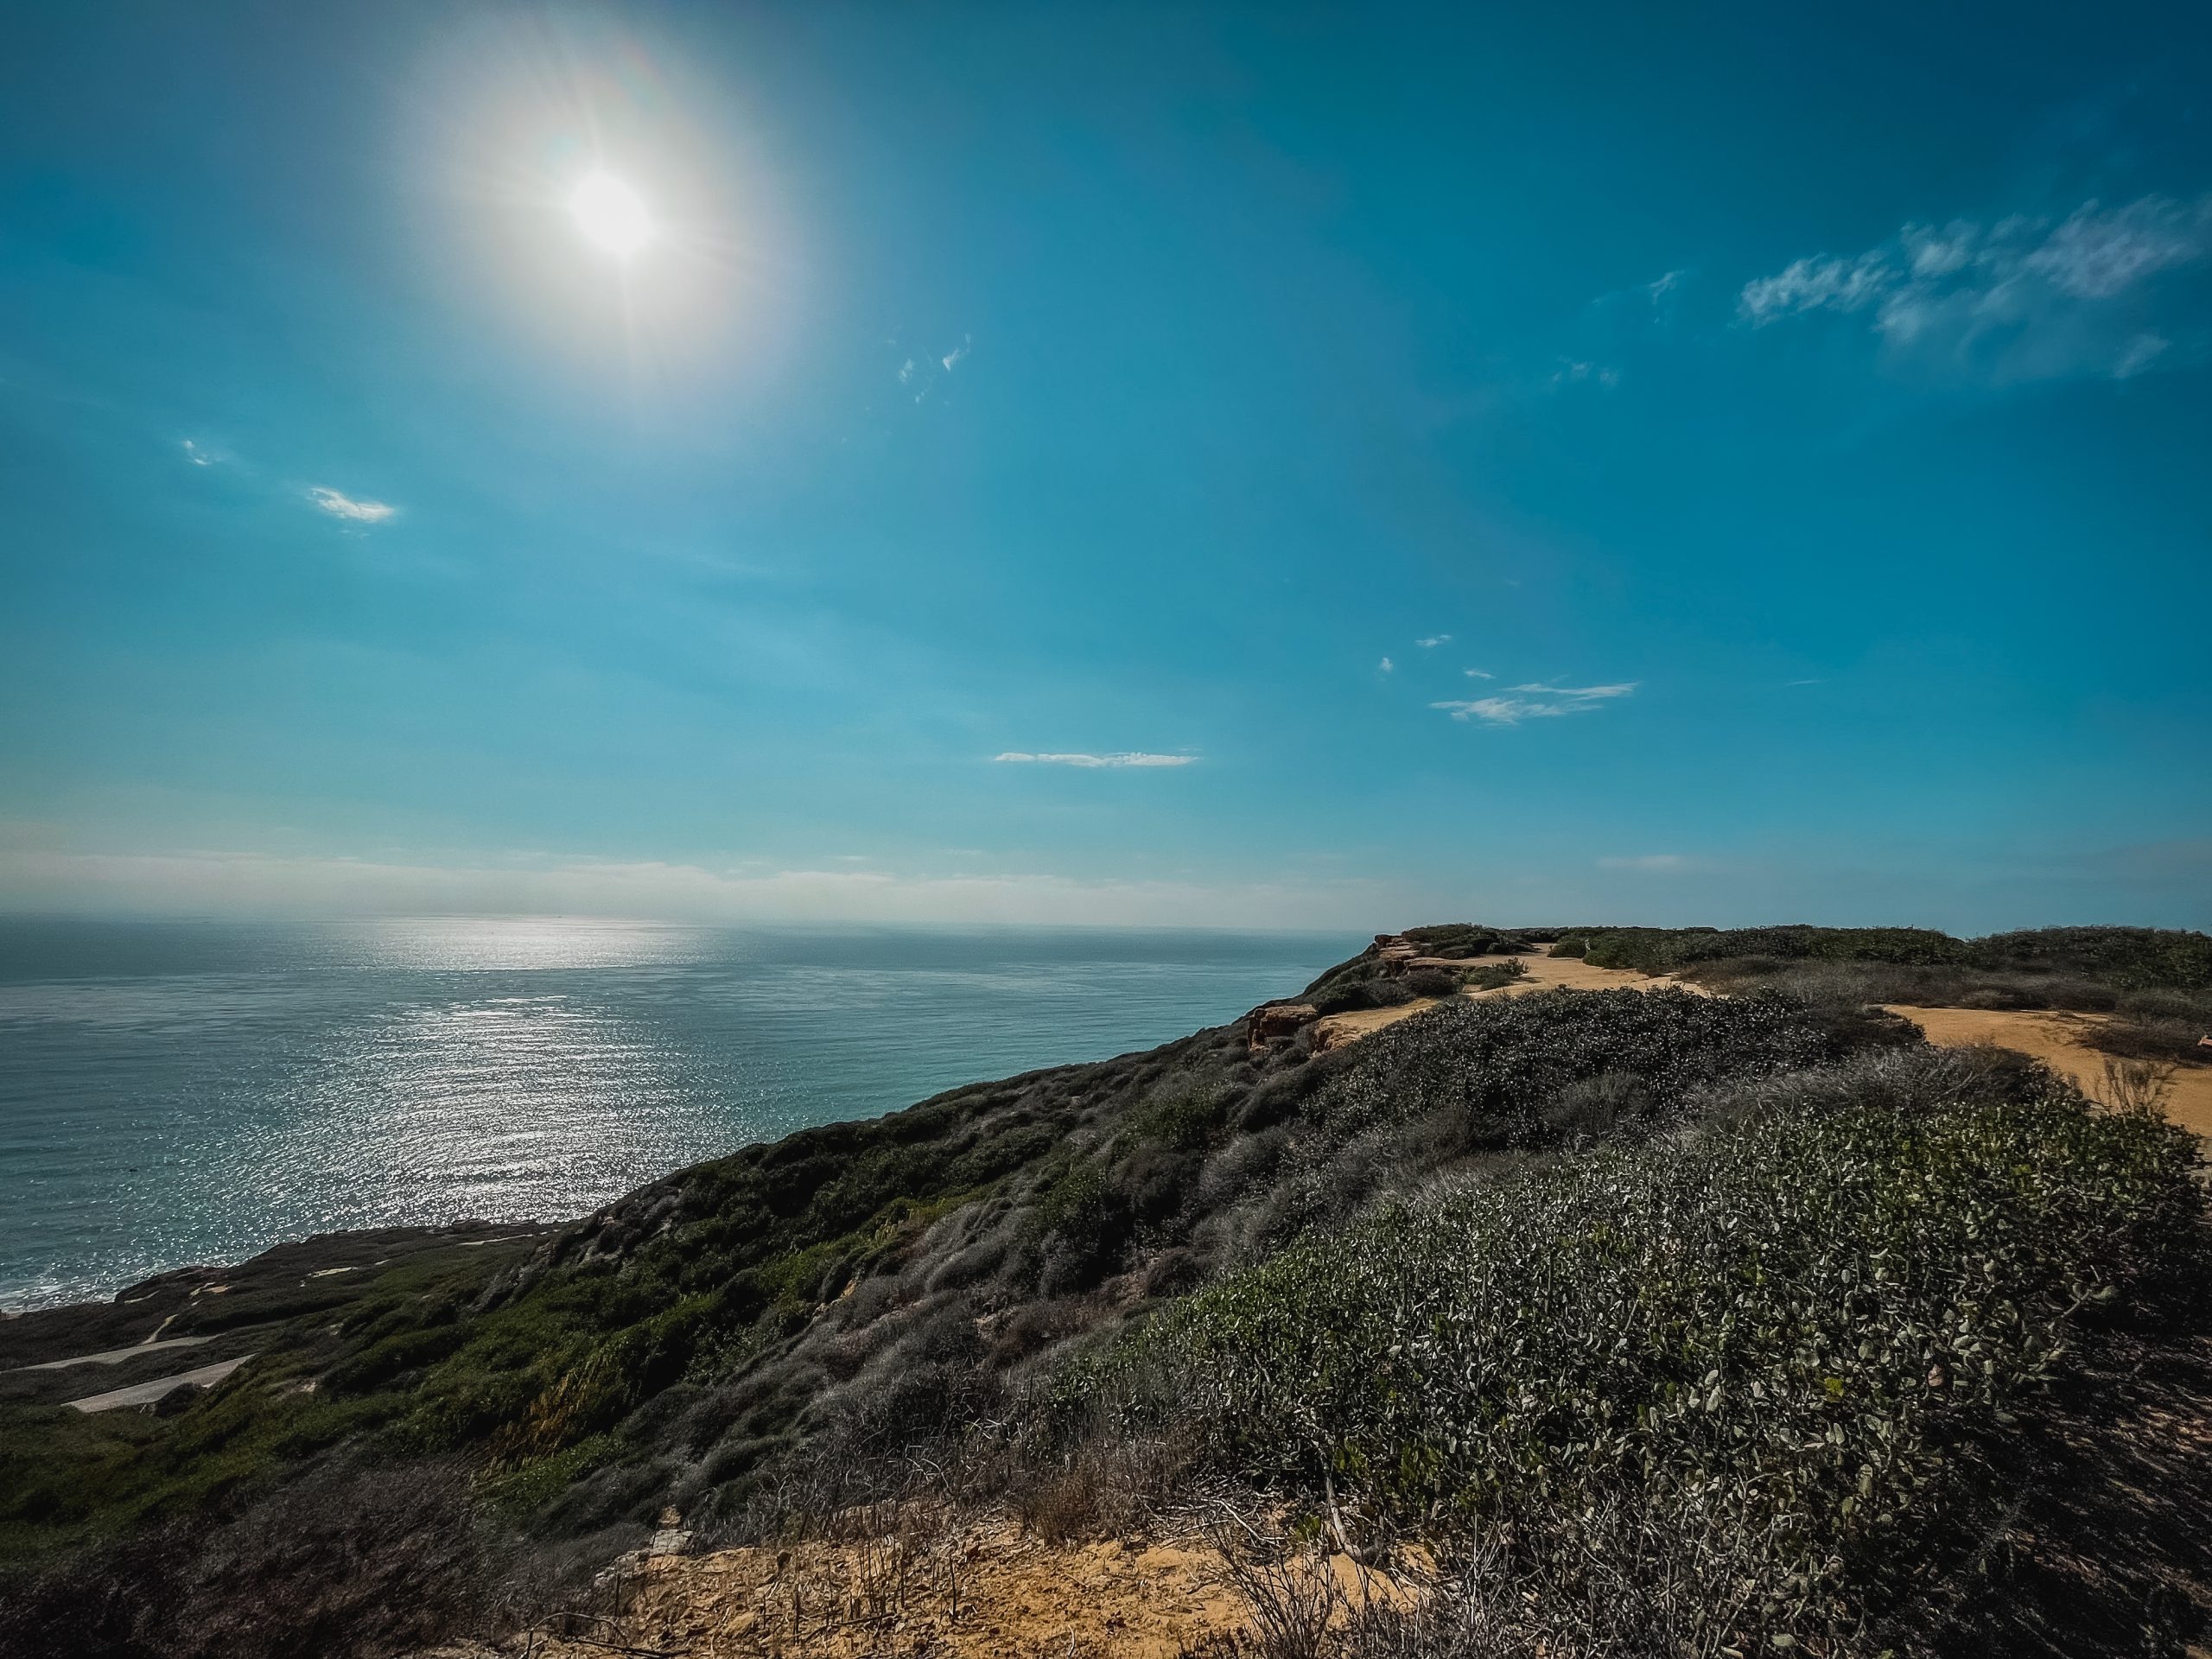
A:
(609, 212)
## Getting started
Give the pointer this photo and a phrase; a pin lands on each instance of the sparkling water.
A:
(180, 1092)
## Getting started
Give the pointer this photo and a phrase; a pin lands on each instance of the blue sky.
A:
(1376, 465)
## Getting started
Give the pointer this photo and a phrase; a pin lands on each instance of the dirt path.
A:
(2061, 1042)
(117, 1355)
(1543, 973)
(145, 1394)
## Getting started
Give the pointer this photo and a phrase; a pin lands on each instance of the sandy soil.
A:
(979, 1590)
(1544, 974)
(2060, 1041)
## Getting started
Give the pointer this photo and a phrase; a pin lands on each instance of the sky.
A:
(1276, 466)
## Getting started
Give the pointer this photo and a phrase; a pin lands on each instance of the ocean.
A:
(174, 1092)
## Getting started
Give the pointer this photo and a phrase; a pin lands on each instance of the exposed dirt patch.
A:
(2061, 1041)
(974, 1590)
(1542, 973)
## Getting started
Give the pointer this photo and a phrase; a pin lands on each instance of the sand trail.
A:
(2061, 1041)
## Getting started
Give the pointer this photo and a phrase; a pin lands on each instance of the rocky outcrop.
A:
(1279, 1022)
(1394, 954)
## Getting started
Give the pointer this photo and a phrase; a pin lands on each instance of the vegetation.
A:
(1724, 1297)
(1758, 1359)
(2157, 981)
(2117, 958)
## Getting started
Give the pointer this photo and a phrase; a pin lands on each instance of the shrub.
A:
(1458, 939)
(1432, 982)
(349, 1562)
(1181, 1118)
(1496, 975)
(2132, 958)
(1496, 1064)
(1661, 950)
(1085, 1221)
(1755, 1351)
(1345, 995)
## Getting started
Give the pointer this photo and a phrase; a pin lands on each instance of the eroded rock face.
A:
(1395, 953)
(1278, 1023)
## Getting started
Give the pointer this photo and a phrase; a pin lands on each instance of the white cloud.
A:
(1433, 641)
(1812, 284)
(951, 359)
(1501, 711)
(2020, 300)
(1654, 861)
(344, 506)
(1665, 285)
(1387, 665)
(1478, 674)
(1534, 701)
(1580, 692)
(2097, 254)
(196, 456)
(1127, 757)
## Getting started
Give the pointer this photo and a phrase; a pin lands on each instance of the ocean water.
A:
(181, 1092)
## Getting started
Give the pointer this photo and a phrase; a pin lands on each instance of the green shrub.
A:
(1182, 1118)
(1432, 981)
(1663, 950)
(1496, 975)
(1494, 1064)
(1766, 1343)
(2132, 958)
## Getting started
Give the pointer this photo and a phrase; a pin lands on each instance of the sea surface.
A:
(177, 1092)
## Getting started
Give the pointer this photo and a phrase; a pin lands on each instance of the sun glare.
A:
(609, 212)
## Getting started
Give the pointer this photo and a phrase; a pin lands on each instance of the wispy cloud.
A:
(924, 371)
(1815, 283)
(1579, 693)
(340, 505)
(1571, 372)
(1478, 674)
(2024, 299)
(1500, 711)
(1653, 861)
(1534, 701)
(197, 456)
(1433, 641)
(1385, 666)
(1127, 757)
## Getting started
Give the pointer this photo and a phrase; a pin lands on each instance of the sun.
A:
(610, 212)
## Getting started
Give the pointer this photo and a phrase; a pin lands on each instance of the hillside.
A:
(1725, 1316)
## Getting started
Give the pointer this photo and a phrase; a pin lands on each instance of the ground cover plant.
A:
(1755, 1358)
